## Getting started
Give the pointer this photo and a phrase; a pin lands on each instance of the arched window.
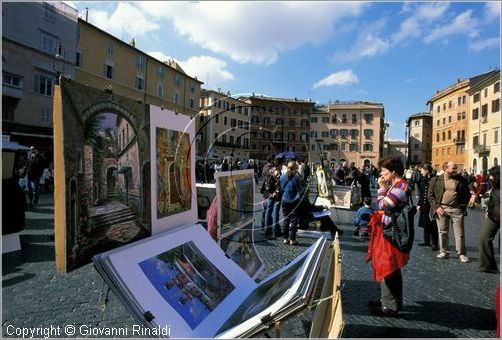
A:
(449, 135)
(495, 161)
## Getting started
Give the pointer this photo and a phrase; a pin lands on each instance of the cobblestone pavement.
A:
(443, 298)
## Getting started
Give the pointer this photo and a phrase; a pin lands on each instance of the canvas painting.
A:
(236, 193)
(173, 172)
(188, 281)
(342, 197)
(240, 248)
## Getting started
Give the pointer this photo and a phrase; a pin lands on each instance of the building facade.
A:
(483, 134)
(419, 138)
(396, 148)
(224, 126)
(450, 109)
(38, 45)
(278, 125)
(348, 131)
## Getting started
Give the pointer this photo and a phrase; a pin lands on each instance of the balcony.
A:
(482, 150)
(459, 141)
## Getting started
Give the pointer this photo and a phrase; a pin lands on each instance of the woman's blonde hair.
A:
(291, 169)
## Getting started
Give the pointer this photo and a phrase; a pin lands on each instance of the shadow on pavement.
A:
(365, 331)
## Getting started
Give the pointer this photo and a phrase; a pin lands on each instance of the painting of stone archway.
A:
(102, 142)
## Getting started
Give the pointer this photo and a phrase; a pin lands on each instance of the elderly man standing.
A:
(448, 196)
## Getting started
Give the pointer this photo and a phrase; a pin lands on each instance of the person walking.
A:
(448, 196)
(431, 236)
(386, 259)
(491, 223)
(34, 171)
(291, 194)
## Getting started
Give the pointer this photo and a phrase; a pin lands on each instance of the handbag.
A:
(400, 231)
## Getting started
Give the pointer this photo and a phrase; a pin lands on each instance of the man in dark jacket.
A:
(448, 196)
(34, 170)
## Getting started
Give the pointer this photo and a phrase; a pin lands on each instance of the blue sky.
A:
(397, 53)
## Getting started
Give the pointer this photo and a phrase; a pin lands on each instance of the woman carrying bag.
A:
(387, 260)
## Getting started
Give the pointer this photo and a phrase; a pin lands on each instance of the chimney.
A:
(133, 42)
(86, 14)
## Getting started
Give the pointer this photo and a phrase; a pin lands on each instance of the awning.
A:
(8, 145)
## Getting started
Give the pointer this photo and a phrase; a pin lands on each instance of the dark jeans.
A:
(486, 254)
(431, 235)
(33, 190)
(272, 216)
(391, 291)
(290, 221)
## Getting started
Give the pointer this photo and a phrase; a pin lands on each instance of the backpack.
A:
(269, 185)
(400, 232)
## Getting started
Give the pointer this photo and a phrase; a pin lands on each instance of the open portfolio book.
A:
(182, 280)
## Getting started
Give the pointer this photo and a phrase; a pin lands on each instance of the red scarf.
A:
(385, 257)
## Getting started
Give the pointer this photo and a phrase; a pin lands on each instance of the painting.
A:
(239, 247)
(173, 172)
(188, 281)
(264, 295)
(236, 193)
(342, 196)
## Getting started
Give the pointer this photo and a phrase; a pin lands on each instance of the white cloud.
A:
(253, 31)
(423, 15)
(125, 22)
(462, 24)
(492, 10)
(367, 44)
(338, 78)
(482, 44)
(210, 70)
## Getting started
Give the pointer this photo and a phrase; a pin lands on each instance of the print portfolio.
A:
(183, 281)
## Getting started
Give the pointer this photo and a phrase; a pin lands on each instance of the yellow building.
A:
(419, 130)
(225, 126)
(106, 62)
(483, 134)
(348, 131)
(450, 109)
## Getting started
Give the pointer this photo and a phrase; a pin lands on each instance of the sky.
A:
(395, 53)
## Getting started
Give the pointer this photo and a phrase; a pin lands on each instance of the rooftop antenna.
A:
(87, 14)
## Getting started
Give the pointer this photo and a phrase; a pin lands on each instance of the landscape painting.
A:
(174, 193)
(236, 193)
(188, 281)
(239, 247)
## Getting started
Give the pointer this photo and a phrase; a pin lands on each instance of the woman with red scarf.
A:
(386, 259)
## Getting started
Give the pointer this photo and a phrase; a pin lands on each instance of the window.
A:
(437, 137)
(333, 119)
(417, 123)
(486, 92)
(463, 99)
(368, 118)
(160, 91)
(496, 105)
(367, 147)
(43, 85)
(476, 97)
(354, 133)
(449, 119)
(344, 118)
(438, 122)
(177, 80)
(459, 101)
(496, 136)
(475, 141)
(313, 134)
(354, 119)
(12, 80)
(496, 87)
(176, 97)
(353, 147)
(416, 146)
(78, 59)
(139, 83)
(459, 116)
(266, 120)
(161, 72)
(49, 12)
(109, 47)
(325, 134)
(444, 106)
(192, 87)
(108, 71)
(463, 115)
(439, 108)
(449, 135)
(191, 103)
(334, 133)
(444, 136)
(313, 119)
(45, 116)
(450, 104)
(344, 133)
(484, 110)
(304, 136)
(325, 119)
(368, 133)
(291, 136)
(140, 63)
(475, 114)
(233, 122)
(48, 42)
